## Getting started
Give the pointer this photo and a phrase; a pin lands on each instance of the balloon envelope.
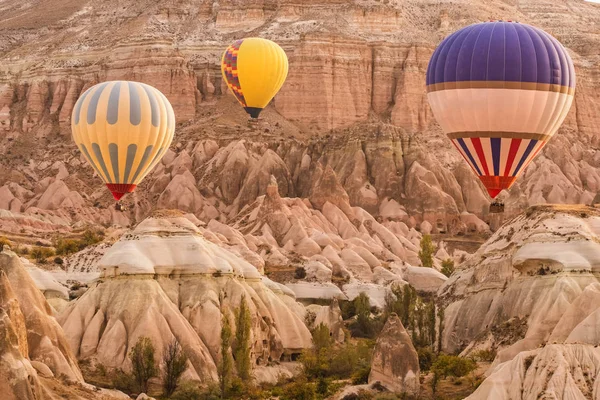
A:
(500, 90)
(123, 129)
(254, 70)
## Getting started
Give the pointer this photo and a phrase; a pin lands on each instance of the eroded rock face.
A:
(395, 361)
(555, 371)
(45, 339)
(33, 349)
(533, 282)
(357, 75)
(196, 281)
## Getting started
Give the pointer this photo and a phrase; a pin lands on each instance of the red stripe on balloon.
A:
(479, 150)
(512, 153)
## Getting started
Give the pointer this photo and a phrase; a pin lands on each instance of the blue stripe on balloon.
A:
(112, 113)
(530, 147)
(496, 145)
(461, 141)
(93, 105)
(501, 51)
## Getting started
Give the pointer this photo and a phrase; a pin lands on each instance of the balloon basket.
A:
(496, 207)
(120, 207)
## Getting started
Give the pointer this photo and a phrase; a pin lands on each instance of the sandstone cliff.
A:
(357, 75)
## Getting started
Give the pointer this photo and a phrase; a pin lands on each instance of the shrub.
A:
(40, 254)
(190, 391)
(4, 242)
(486, 355)
(89, 238)
(447, 365)
(426, 358)
(426, 252)
(299, 390)
(142, 363)
(123, 381)
(58, 260)
(174, 363)
(66, 246)
(300, 273)
(365, 325)
(447, 267)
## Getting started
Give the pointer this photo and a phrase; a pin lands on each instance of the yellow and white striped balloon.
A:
(123, 129)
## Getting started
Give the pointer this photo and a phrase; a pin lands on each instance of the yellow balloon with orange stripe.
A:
(254, 69)
(123, 129)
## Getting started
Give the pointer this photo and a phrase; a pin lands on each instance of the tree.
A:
(440, 327)
(430, 310)
(4, 242)
(142, 362)
(242, 341)
(174, 364)
(426, 252)
(226, 363)
(447, 267)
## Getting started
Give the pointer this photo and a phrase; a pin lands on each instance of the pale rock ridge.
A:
(191, 281)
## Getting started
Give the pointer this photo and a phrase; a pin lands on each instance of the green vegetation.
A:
(326, 360)
(40, 254)
(449, 365)
(174, 365)
(70, 246)
(447, 267)
(142, 363)
(426, 252)
(226, 363)
(241, 349)
(418, 315)
(4, 242)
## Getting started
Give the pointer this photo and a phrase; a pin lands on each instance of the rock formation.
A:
(531, 293)
(34, 353)
(354, 101)
(163, 280)
(395, 361)
(44, 337)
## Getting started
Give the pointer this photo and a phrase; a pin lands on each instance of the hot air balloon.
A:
(254, 70)
(123, 129)
(500, 90)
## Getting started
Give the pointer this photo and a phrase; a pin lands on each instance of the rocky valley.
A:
(330, 198)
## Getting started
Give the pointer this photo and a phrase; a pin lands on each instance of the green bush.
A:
(123, 381)
(448, 267)
(365, 326)
(486, 355)
(426, 252)
(448, 365)
(40, 254)
(299, 390)
(66, 246)
(190, 391)
(4, 242)
(59, 261)
(142, 363)
(426, 358)
(70, 246)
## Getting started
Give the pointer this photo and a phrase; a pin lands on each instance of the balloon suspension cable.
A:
(496, 207)
(120, 207)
